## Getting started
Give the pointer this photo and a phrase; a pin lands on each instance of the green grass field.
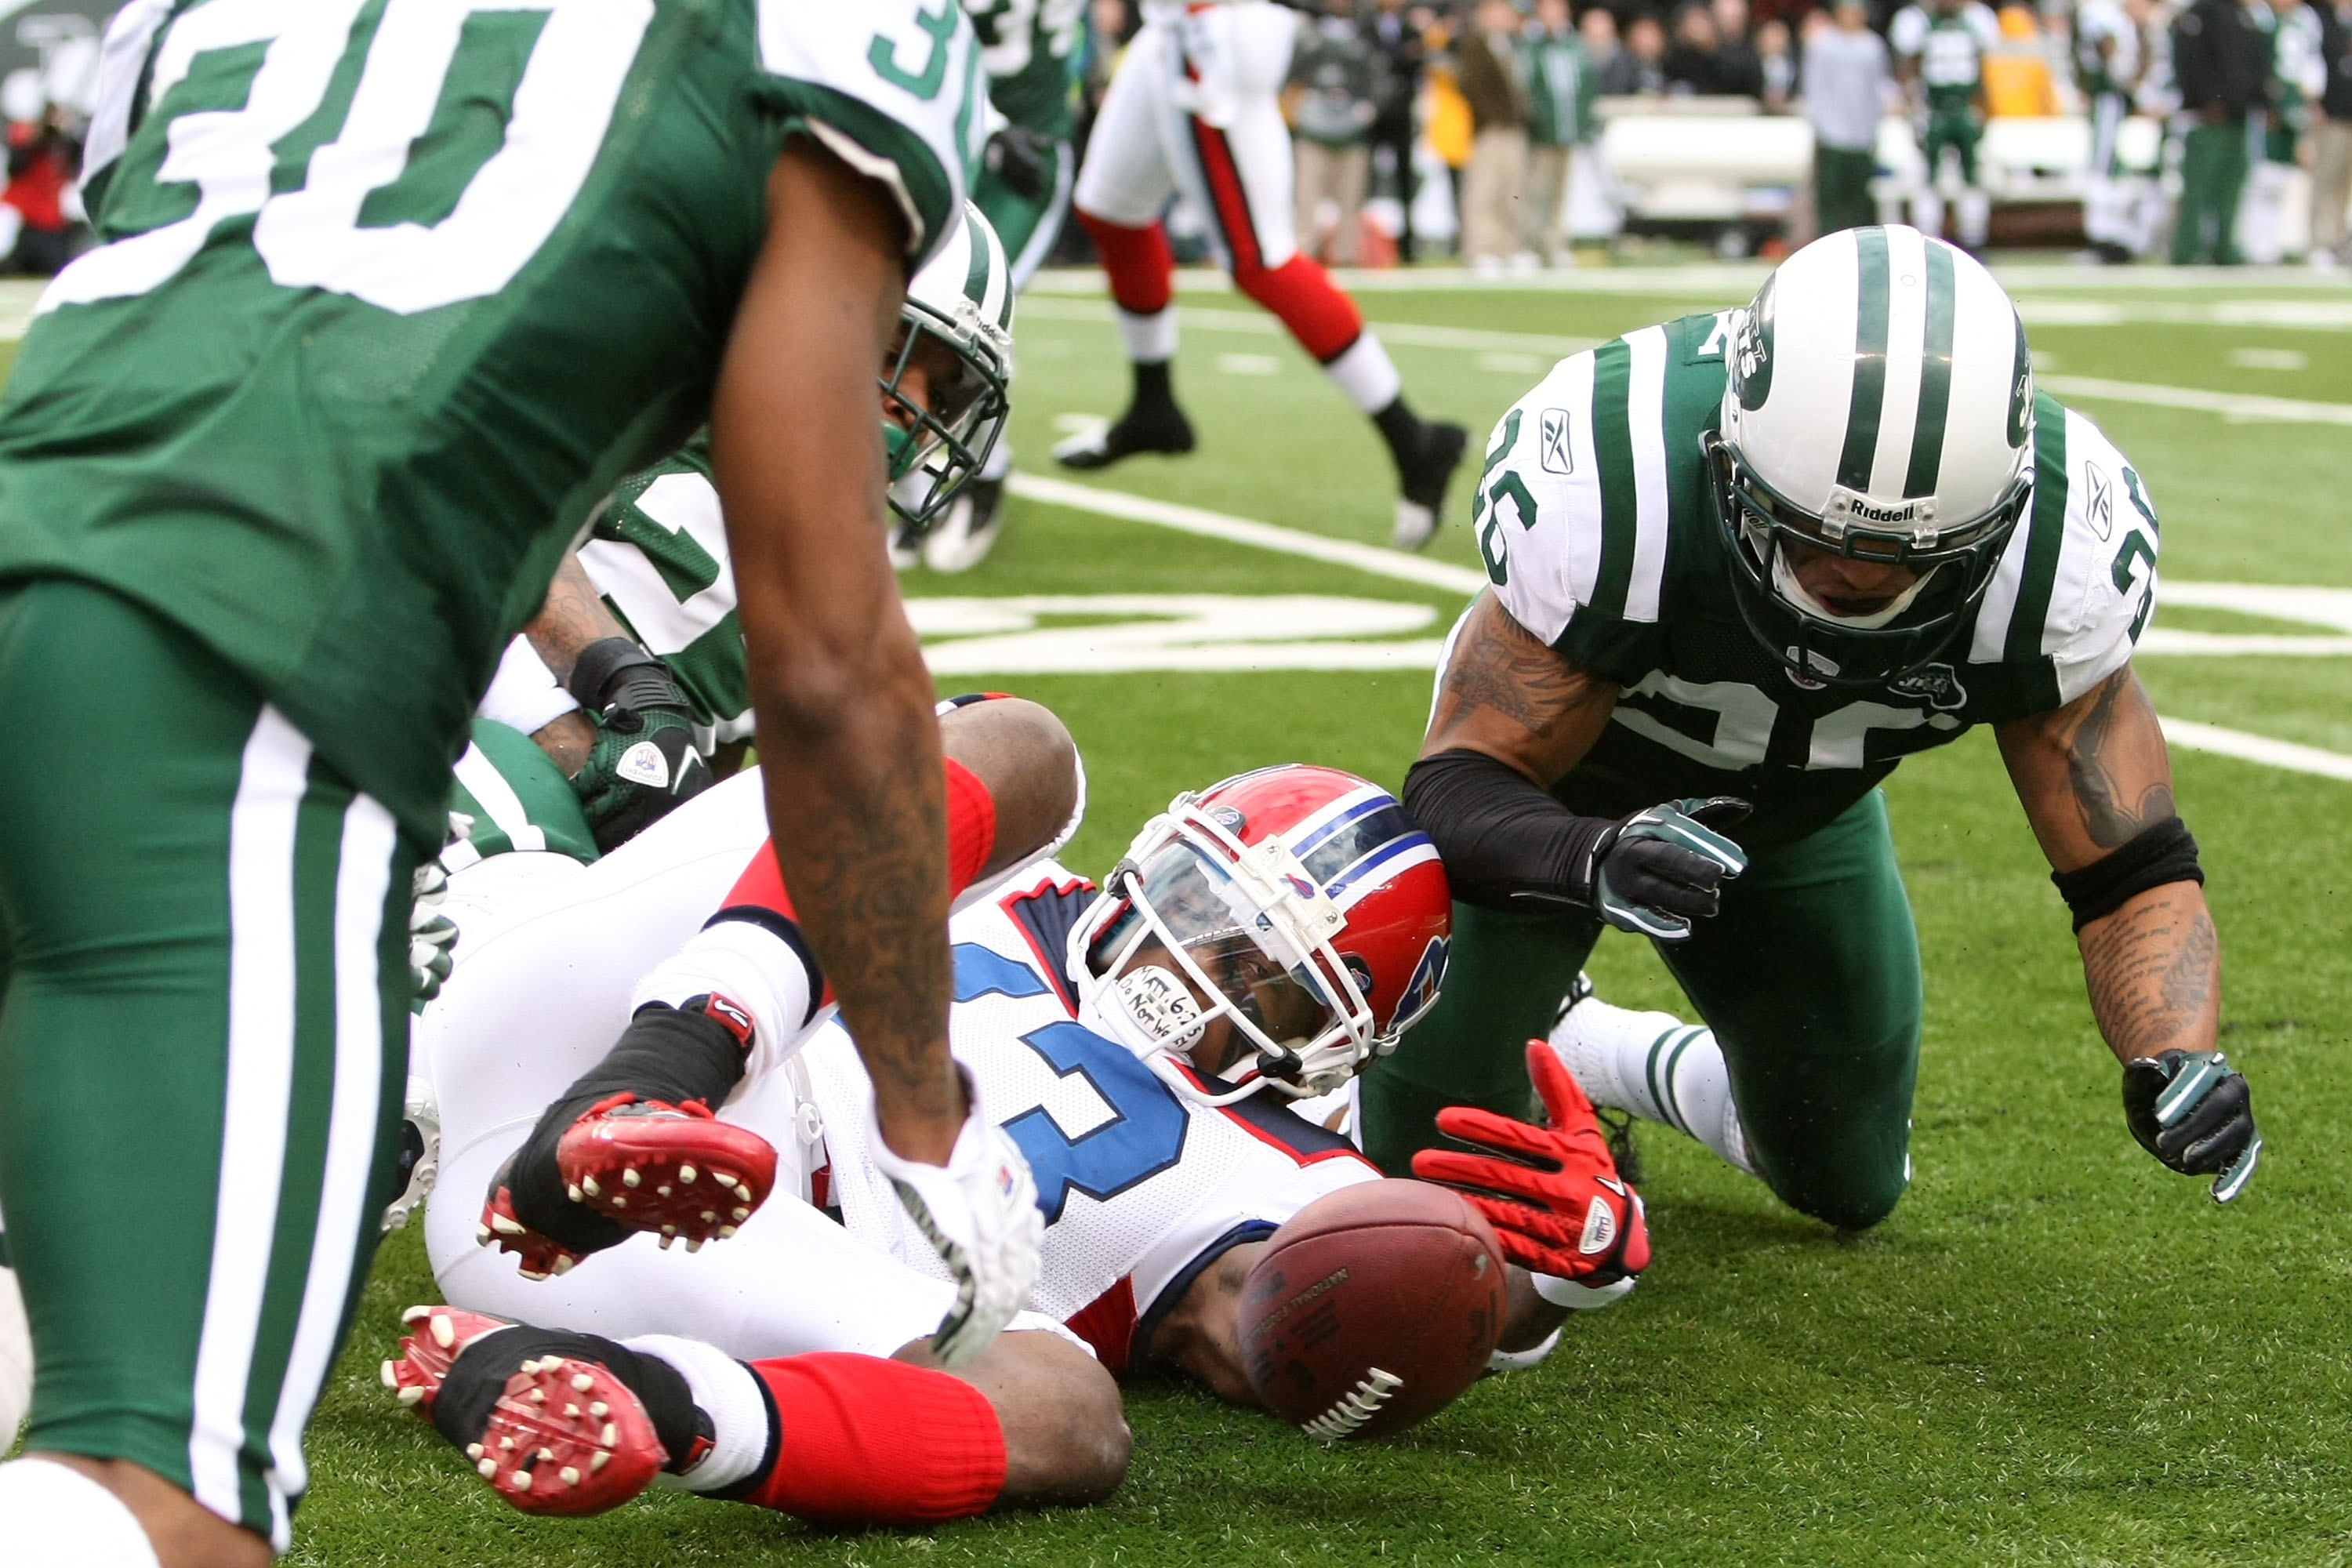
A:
(2054, 1352)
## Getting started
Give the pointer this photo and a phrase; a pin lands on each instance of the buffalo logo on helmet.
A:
(1226, 817)
(1361, 973)
(1421, 988)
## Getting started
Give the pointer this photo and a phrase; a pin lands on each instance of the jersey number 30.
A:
(276, 61)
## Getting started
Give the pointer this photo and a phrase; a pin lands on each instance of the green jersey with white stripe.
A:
(1950, 49)
(392, 292)
(1030, 50)
(658, 557)
(1596, 518)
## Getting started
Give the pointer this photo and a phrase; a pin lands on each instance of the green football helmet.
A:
(938, 438)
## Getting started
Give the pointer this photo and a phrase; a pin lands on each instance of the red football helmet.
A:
(1302, 902)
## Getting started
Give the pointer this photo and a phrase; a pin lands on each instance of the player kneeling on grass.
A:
(1760, 556)
(1260, 943)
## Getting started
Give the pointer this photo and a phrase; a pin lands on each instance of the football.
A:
(1373, 1308)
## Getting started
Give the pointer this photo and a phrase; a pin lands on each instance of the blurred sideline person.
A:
(1671, 710)
(1939, 49)
(2331, 136)
(201, 954)
(1562, 87)
(2220, 65)
(1487, 59)
(1195, 107)
(1846, 81)
(1336, 74)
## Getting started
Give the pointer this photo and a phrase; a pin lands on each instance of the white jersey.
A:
(1142, 1188)
(1950, 49)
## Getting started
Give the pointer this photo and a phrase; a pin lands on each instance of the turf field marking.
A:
(2229, 405)
(1256, 323)
(2190, 735)
(1001, 636)
(1374, 559)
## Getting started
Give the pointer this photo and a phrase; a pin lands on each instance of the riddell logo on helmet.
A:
(1847, 506)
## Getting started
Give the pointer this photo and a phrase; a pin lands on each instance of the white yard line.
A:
(1738, 281)
(2229, 405)
(1374, 559)
(1257, 324)
(2190, 735)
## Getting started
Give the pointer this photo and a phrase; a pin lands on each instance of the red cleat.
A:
(675, 1172)
(567, 1437)
(426, 1356)
(539, 1256)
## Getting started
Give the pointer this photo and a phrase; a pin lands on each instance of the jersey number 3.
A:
(276, 61)
(1144, 1136)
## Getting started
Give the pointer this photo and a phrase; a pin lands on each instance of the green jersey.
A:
(1596, 519)
(1030, 51)
(1950, 50)
(392, 292)
(658, 557)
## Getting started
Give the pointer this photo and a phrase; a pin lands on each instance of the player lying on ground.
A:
(1136, 1043)
(1195, 107)
(633, 676)
(284, 461)
(1758, 557)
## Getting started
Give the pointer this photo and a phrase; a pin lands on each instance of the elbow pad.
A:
(1504, 841)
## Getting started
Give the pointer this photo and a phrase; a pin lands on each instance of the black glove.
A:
(1659, 869)
(2193, 1111)
(1023, 160)
(643, 764)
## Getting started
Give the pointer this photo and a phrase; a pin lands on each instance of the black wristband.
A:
(2153, 857)
(1505, 843)
(613, 677)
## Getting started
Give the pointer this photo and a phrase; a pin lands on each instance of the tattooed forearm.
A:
(1508, 694)
(574, 617)
(2116, 792)
(2153, 970)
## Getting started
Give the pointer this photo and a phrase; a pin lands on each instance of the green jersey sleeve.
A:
(893, 88)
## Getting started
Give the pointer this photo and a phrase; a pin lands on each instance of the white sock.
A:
(59, 1518)
(1366, 375)
(724, 1390)
(1658, 1067)
(1150, 340)
(753, 967)
(1976, 217)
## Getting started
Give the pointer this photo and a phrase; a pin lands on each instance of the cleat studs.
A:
(711, 1217)
(539, 1396)
(481, 1235)
(629, 1177)
(666, 1238)
(416, 1313)
(505, 1226)
(741, 1214)
(694, 1244)
(444, 1332)
(519, 1480)
(725, 1231)
(611, 1435)
(599, 1410)
(546, 1456)
(582, 1382)
(662, 1191)
(686, 1173)
(620, 1200)
(569, 1476)
(412, 1396)
(473, 1450)
(506, 1444)
(486, 1468)
(599, 1462)
(573, 1191)
(391, 1378)
(572, 1413)
(530, 1273)
(669, 1230)
(588, 1184)
(563, 1264)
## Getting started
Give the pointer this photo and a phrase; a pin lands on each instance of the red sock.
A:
(869, 1441)
(972, 838)
(1142, 267)
(1325, 322)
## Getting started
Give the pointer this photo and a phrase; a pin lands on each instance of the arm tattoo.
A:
(574, 617)
(2151, 969)
(1498, 666)
(2099, 763)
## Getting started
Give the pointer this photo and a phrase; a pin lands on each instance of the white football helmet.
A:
(1880, 407)
(963, 299)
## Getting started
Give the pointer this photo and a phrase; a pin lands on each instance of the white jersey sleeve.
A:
(1142, 1187)
(893, 88)
(2078, 583)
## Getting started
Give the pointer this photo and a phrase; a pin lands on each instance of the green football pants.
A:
(1841, 196)
(1809, 977)
(203, 989)
(2212, 180)
(1028, 226)
(1958, 130)
(510, 795)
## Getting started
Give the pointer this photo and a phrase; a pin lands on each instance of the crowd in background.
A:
(1504, 102)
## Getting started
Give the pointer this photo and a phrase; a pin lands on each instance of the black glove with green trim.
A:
(643, 764)
(2193, 1111)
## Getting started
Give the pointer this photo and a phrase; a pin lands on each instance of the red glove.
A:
(1562, 1214)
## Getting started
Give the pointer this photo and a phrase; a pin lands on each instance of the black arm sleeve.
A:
(1504, 842)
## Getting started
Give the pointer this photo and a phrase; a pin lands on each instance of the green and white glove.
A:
(643, 764)
(2193, 1111)
(1663, 868)
(431, 933)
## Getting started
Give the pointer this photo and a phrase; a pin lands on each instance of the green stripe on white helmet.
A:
(1880, 407)
(947, 418)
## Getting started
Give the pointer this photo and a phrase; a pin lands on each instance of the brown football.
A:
(1372, 1309)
